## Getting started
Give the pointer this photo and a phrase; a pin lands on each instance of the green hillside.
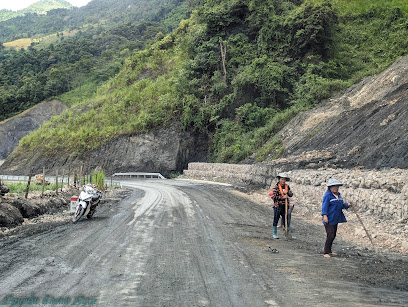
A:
(104, 13)
(82, 59)
(40, 7)
(281, 57)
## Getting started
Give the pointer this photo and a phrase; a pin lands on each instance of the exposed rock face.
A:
(12, 130)
(367, 125)
(164, 150)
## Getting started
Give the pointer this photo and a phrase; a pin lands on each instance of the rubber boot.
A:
(275, 232)
(290, 233)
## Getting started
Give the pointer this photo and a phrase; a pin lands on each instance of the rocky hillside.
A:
(13, 129)
(162, 150)
(364, 126)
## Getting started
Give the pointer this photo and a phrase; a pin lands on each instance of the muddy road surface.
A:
(185, 243)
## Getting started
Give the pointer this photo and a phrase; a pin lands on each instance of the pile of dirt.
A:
(15, 208)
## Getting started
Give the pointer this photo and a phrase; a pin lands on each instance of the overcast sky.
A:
(21, 4)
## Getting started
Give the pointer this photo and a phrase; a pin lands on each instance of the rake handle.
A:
(362, 224)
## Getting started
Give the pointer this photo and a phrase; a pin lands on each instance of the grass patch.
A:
(45, 40)
(79, 94)
(20, 187)
(267, 149)
(278, 153)
(174, 175)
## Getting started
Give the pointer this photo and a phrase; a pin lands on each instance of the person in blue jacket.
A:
(332, 213)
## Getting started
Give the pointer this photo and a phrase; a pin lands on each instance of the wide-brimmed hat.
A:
(333, 182)
(283, 175)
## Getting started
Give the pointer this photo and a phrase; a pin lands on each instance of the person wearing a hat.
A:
(280, 192)
(332, 213)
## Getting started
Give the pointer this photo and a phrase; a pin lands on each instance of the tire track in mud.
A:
(183, 243)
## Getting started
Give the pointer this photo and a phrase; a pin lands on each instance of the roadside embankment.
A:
(380, 196)
(17, 212)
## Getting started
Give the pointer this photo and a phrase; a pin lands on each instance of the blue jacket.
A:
(333, 208)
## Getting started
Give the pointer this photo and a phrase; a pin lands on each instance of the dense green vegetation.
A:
(104, 13)
(98, 179)
(81, 62)
(281, 57)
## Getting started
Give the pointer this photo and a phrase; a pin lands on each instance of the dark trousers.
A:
(331, 231)
(278, 212)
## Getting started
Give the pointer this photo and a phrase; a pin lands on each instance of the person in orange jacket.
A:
(280, 192)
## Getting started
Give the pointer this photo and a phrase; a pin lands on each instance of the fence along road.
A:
(108, 180)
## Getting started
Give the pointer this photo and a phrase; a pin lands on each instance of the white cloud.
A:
(16, 5)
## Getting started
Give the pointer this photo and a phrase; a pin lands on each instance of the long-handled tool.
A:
(381, 257)
(362, 224)
(286, 219)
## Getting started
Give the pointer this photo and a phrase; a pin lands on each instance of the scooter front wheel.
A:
(78, 214)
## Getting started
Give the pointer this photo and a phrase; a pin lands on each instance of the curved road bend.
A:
(181, 243)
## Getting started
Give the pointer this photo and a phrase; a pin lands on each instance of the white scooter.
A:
(88, 199)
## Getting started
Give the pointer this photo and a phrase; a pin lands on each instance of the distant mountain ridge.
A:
(39, 7)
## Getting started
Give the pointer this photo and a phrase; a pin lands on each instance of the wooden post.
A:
(90, 178)
(75, 178)
(62, 180)
(56, 182)
(28, 184)
(69, 174)
(111, 182)
(43, 183)
(80, 175)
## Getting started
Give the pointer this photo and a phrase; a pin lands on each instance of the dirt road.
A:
(184, 243)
